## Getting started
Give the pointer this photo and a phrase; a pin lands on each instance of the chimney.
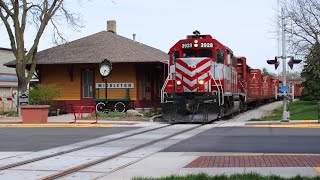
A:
(112, 26)
(134, 37)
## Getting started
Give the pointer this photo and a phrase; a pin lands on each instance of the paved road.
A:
(252, 140)
(36, 139)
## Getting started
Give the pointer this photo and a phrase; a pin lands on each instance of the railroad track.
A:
(155, 135)
(74, 149)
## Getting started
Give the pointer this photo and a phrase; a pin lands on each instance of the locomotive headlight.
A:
(201, 82)
(179, 82)
(196, 41)
(196, 45)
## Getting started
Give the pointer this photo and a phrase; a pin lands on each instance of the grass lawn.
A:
(251, 176)
(299, 110)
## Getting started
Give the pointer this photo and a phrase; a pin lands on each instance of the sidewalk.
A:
(66, 119)
(181, 163)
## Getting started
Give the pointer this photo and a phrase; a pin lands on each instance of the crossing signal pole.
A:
(275, 62)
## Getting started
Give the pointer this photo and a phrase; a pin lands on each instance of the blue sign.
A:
(285, 89)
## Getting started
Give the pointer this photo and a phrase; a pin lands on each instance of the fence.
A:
(7, 104)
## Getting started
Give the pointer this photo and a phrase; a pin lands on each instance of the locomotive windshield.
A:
(197, 53)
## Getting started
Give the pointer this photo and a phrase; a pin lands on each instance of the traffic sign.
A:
(24, 100)
(285, 89)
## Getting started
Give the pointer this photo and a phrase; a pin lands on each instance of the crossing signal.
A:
(275, 62)
(293, 61)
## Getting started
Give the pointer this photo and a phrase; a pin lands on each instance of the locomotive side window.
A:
(175, 55)
(220, 56)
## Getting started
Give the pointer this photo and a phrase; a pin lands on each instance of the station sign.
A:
(115, 85)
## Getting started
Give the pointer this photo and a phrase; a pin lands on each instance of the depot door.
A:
(87, 84)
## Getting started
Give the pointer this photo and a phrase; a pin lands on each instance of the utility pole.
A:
(285, 114)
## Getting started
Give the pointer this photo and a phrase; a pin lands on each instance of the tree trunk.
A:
(23, 85)
(22, 80)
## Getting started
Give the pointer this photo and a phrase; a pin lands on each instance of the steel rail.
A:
(95, 162)
(75, 149)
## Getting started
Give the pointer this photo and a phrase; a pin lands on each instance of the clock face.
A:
(105, 70)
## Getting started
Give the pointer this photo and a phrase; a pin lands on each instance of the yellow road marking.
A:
(317, 169)
(288, 125)
(308, 121)
(76, 125)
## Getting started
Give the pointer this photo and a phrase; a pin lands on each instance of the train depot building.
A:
(135, 80)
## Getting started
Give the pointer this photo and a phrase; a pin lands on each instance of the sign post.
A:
(23, 100)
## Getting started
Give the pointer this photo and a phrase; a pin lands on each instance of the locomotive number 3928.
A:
(206, 45)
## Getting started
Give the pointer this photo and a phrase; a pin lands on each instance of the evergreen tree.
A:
(311, 74)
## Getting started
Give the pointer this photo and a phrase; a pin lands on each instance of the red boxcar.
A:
(254, 85)
(266, 92)
(242, 70)
(274, 88)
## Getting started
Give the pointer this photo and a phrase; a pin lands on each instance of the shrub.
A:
(43, 94)
(11, 114)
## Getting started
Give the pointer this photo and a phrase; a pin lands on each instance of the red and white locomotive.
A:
(205, 81)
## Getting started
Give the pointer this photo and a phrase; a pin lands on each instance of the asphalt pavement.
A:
(252, 140)
(36, 139)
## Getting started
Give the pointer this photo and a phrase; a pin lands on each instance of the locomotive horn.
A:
(196, 32)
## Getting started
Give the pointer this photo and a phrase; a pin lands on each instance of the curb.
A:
(153, 117)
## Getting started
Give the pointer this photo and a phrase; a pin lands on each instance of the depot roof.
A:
(97, 47)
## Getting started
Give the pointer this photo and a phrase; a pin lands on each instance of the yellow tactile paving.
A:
(71, 125)
(317, 169)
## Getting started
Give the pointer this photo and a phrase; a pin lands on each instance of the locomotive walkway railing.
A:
(163, 88)
(218, 74)
(245, 91)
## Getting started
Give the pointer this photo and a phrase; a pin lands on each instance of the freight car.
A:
(206, 80)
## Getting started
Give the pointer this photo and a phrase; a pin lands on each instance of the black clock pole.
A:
(106, 87)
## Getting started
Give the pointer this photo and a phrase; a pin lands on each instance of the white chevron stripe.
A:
(194, 82)
(197, 70)
(186, 89)
(192, 62)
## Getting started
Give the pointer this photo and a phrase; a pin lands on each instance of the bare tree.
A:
(302, 24)
(18, 15)
(265, 72)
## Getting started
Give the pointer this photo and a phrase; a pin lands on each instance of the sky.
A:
(245, 26)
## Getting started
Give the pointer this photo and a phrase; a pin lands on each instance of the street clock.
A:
(105, 68)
